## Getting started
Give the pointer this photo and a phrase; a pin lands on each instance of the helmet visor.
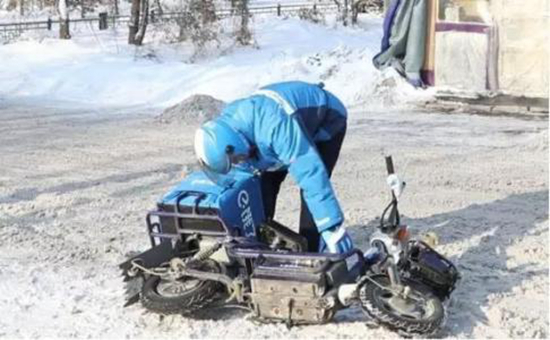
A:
(220, 179)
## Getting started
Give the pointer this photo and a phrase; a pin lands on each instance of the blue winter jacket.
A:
(284, 120)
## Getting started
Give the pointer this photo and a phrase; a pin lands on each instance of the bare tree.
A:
(158, 7)
(85, 6)
(138, 21)
(355, 11)
(12, 4)
(198, 24)
(63, 11)
(312, 15)
(345, 13)
(364, 6)
(133, 25)
(343, 10)
(143, 21)
(208, 12)
(243, 34)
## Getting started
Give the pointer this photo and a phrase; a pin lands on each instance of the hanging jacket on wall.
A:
(404, 39)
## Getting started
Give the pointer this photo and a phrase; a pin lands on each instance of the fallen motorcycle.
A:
(211, 245)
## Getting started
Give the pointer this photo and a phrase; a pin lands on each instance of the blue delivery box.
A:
(234, 207)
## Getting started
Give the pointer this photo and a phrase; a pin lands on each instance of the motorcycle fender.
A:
(153, 257)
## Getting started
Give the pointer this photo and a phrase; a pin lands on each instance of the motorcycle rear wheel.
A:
(419, 314)
(182, 296)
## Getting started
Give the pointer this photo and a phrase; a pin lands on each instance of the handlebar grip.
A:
(389, 165)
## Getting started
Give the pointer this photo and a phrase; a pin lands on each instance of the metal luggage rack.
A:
(154, 228)
(247, 251)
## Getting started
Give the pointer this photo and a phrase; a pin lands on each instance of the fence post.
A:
(102, 21)
(49, 24)
(278, 10)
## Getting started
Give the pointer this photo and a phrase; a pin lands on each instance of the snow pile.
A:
(195, 108)
(538, 141)
(99, 68)
(388, 89)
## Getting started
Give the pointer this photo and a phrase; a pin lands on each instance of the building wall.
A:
(514, 56)
(523, 36)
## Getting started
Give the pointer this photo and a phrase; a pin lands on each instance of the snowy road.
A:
(75, 185)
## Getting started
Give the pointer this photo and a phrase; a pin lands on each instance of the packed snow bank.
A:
(195, 108)
(99, 68)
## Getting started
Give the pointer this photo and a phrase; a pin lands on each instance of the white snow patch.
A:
(99, 68)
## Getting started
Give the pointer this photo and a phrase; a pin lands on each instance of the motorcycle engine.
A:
(295, 291)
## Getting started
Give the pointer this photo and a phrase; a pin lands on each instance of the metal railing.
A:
(10, 31)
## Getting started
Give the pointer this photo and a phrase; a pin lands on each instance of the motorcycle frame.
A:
(246, 253)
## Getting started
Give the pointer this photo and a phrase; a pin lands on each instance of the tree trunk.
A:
(244, 36)
(354, 11)
(21, 4)
(82, 9)
(158, 6)
(208, 12)
(345, 13)
(63, 20)
(342, 11)
(134, 22)
(115, 3)
(64, 32)
(143, 21)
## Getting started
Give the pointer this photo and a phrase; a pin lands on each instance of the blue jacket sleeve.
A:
(293, 148)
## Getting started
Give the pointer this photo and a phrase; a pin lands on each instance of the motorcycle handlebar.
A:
(389, 165)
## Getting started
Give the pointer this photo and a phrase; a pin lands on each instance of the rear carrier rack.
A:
(169, 221)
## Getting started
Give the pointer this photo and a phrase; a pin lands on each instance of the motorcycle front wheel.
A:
(417, 312)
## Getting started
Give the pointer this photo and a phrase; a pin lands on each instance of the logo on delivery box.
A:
(243, 202)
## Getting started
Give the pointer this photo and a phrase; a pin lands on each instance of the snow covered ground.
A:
(99, 68)
(83, 159)
(75, 185)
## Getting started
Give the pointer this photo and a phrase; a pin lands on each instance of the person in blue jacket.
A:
(290, 127)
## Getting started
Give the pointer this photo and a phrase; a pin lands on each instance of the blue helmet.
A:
(218, 146)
